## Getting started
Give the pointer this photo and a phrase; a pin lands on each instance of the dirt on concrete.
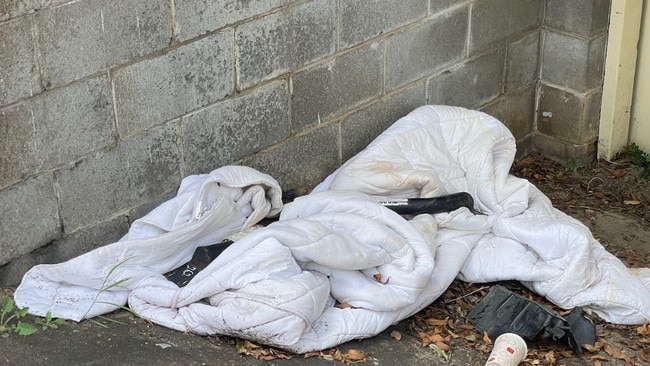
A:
(610, 198)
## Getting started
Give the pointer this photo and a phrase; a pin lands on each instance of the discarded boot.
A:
(503, 311)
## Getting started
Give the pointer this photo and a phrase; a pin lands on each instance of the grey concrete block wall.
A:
(235, 128)
(197, 17)
(89, 36)
(364, 125)
(586, 18)
(106, 106)
(333, 95)
(574, 43)
(362, 20)
(494, 21)
(29, 217)
(134, 172)
(573, 62)
(55, 128)
(186, 78)
(422, 50)
(481, 78)
(18, 74)
(285, 41)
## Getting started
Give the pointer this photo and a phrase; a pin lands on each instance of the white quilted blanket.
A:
(279, 284)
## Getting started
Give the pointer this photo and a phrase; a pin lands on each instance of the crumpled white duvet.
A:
(279, 285)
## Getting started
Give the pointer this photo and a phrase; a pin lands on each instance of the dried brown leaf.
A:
(616, 173)
(452, 334)
(632, 202)
(396, 335)
(354, 356)
(524, 161)
(598, 357)
(610, 350)
(593, 349)
(442, 346)
(486, 338)
(550, 357)
(643, 357)
(437, 322)
(312, 354)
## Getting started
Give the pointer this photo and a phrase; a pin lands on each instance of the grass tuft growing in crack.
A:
(636, 156)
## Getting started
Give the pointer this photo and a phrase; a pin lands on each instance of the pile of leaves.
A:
(248, 348)
(616, 186)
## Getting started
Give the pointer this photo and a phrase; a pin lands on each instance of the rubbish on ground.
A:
(509, 350)
(503, 311)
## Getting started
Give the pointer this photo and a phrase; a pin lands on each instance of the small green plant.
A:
(49, 323)
(9, 319)
(638, 157)
(106, 287)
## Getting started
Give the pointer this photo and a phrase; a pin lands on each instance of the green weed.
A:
(636, 156)
(10, 320)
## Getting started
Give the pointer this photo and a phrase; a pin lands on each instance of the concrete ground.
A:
(131, 341)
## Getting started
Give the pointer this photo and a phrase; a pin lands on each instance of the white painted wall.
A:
(620, 66)
(640, 121)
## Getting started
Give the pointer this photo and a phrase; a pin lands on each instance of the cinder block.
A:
(420, 51)
(64, 249)
(572, 155)
(494, 21)
(438, 6)
(136, 171)
(18, 78)
(143, 209)
(231, 129)
(153, 91)
(303, 161)
(284, 41)
(56, 127)
(86, 37)
(361, 127)
(523, 58)
(16, 8)
(362, 20)
(573, 62)
(516, 111)
(17, 149)
(29, 217)
(568, 116)
(470, 84)
(332, 88)
(197, 17)
(583, 17)
(524, 146)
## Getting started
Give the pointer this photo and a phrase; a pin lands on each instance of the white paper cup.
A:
(509, 350)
